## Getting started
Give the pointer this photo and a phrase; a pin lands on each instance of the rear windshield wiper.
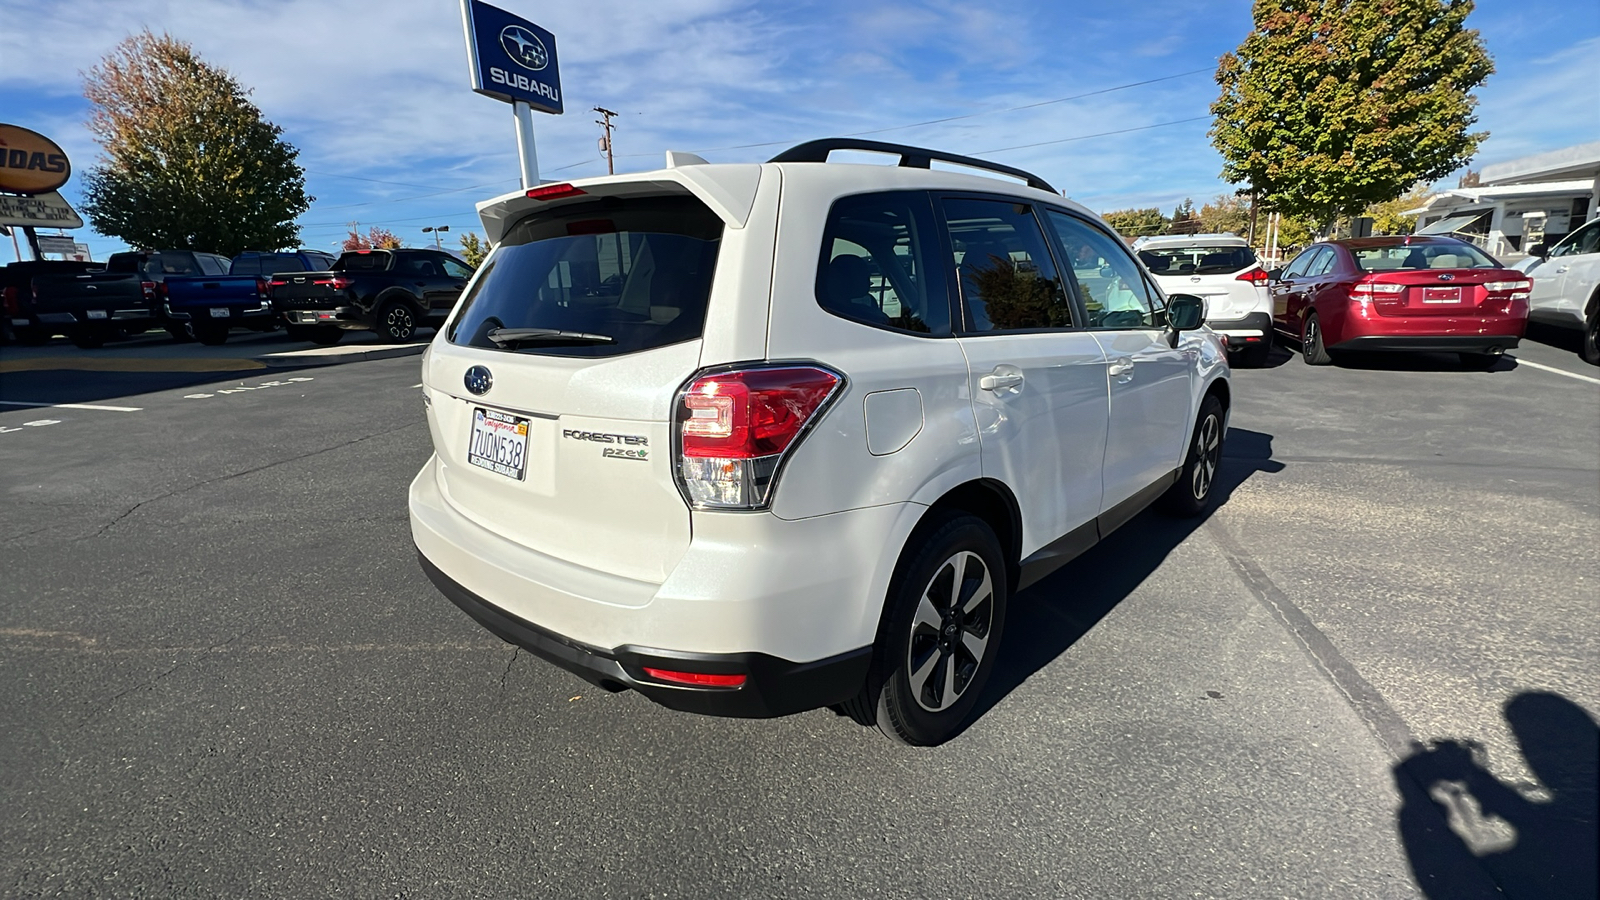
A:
(506, 337)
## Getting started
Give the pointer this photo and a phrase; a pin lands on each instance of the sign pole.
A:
(526, 152)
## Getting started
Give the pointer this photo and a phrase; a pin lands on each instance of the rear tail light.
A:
(1254, 276)
(1372, 288)
(337, 282)
(8, 300)
(734, 428)
(262, 288)
(278, 282)
(554, 192)
(696, 679)
(1520, 290)
(149, 287)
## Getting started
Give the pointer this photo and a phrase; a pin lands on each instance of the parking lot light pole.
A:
(436, 229)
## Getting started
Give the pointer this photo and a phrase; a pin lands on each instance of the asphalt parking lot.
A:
(226, 675)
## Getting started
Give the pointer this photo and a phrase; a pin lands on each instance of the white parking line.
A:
(1525, 362)
(72, 406)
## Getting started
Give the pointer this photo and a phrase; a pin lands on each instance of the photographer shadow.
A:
(1459, 822)
(1046, 619)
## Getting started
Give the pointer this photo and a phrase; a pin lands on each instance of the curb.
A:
(333, 356)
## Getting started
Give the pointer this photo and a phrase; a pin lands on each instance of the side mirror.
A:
(1185, 312)
(1107, 272)
(1275, 275)
(1539, 250)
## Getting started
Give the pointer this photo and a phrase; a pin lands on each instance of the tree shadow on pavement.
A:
(1045, 620)
(1458, 821)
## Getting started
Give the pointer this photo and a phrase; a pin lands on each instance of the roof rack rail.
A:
(910, 157)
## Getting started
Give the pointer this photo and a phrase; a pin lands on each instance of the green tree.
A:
(1388, 218)
(1227, 214)
(1184, 219)
(188, 161)
(1332, 105)
(1137, 222)
(473, 249)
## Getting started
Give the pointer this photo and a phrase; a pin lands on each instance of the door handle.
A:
(1562, 269)
(1000, 381)
(1121, 367)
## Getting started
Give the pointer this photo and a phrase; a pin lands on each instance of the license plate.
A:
(97, 314)
(219, 312)
(499, 443)
(1441, 295)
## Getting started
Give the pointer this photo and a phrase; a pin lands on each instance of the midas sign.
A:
(30, 163)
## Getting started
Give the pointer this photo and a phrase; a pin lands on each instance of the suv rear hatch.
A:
(1226, 277)
(576, 334)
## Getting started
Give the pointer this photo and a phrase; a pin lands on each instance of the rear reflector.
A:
(1254, 276)
(696, 679)
(554, 192)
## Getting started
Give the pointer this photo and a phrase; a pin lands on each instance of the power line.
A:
(1085, 137)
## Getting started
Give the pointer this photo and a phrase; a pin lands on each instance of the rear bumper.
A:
(1242, 332)
(108, 316)
(202, 312)
(747, 596)
(1477, 343)
(1363, 328)
(772, 686)
(339, 317)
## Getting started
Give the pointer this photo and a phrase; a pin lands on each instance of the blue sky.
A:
(376, 96)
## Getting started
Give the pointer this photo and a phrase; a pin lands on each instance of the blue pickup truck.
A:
(207, 307)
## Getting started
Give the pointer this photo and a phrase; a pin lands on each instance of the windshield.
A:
(1197, 260)
(1399, 256)
(598, 279)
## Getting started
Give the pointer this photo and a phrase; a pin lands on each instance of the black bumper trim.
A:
(773, 686)
(1446, 343)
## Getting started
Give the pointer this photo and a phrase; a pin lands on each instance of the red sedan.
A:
(1399, 293)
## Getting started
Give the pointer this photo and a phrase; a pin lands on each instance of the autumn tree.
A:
(1389, 217)
(1332, 105)
(1226, 214)
(188, 162)
(1137, 222)
(375, 239)
(473, 249)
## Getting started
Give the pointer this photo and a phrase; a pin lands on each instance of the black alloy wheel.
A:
(1591, 333)
(1311, 347)
(943, 632)
(1192, 492)
(395, 323)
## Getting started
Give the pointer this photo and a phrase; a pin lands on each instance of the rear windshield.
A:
(1400, 256)
(597, 279)
(155, 264)
(362, 261)
(1197, 260)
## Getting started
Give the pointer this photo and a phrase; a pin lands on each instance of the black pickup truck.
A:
(124, 299)
(390, 292)
(16, 296)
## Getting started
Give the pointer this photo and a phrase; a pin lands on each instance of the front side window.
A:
(1324, 263)
(1584, 240)
(1115, 294)
(1008, 279)
(874, 267)
(596, 279)
(1297, 267)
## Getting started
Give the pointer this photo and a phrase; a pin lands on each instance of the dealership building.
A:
(1519, 203)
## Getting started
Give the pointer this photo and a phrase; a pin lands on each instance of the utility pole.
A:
(605, 141)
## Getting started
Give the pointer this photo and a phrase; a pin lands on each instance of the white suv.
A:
(1566, 287)
(755, 439)
(1222, 270)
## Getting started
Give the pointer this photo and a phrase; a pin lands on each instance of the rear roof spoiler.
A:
(910, 157)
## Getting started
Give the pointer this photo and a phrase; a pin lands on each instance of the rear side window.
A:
(597, 279)
(874, 267)
(246, 265)
(363, 261)
(172, 264)
(1197, 260)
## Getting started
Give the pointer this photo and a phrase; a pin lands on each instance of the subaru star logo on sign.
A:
(512, 58)
(479, 380)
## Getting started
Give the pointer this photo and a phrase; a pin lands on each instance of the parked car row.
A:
(202, 296)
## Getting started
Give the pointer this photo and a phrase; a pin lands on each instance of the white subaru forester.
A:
(755, 439)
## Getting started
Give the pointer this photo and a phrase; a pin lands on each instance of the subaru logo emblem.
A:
(479, 380)
(524, 47)
(1447, 277)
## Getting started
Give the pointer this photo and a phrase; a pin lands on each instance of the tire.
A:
(1311, 347)
(87, 338)
(395, 322)
(1192, 493)
(945, 619)
(211, 335)
(1590, 351)
(180, 333)
(1254, 356)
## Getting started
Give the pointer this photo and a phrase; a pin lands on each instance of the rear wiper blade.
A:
(506, 337)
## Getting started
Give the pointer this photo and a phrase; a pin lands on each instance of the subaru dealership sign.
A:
(512, 59)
